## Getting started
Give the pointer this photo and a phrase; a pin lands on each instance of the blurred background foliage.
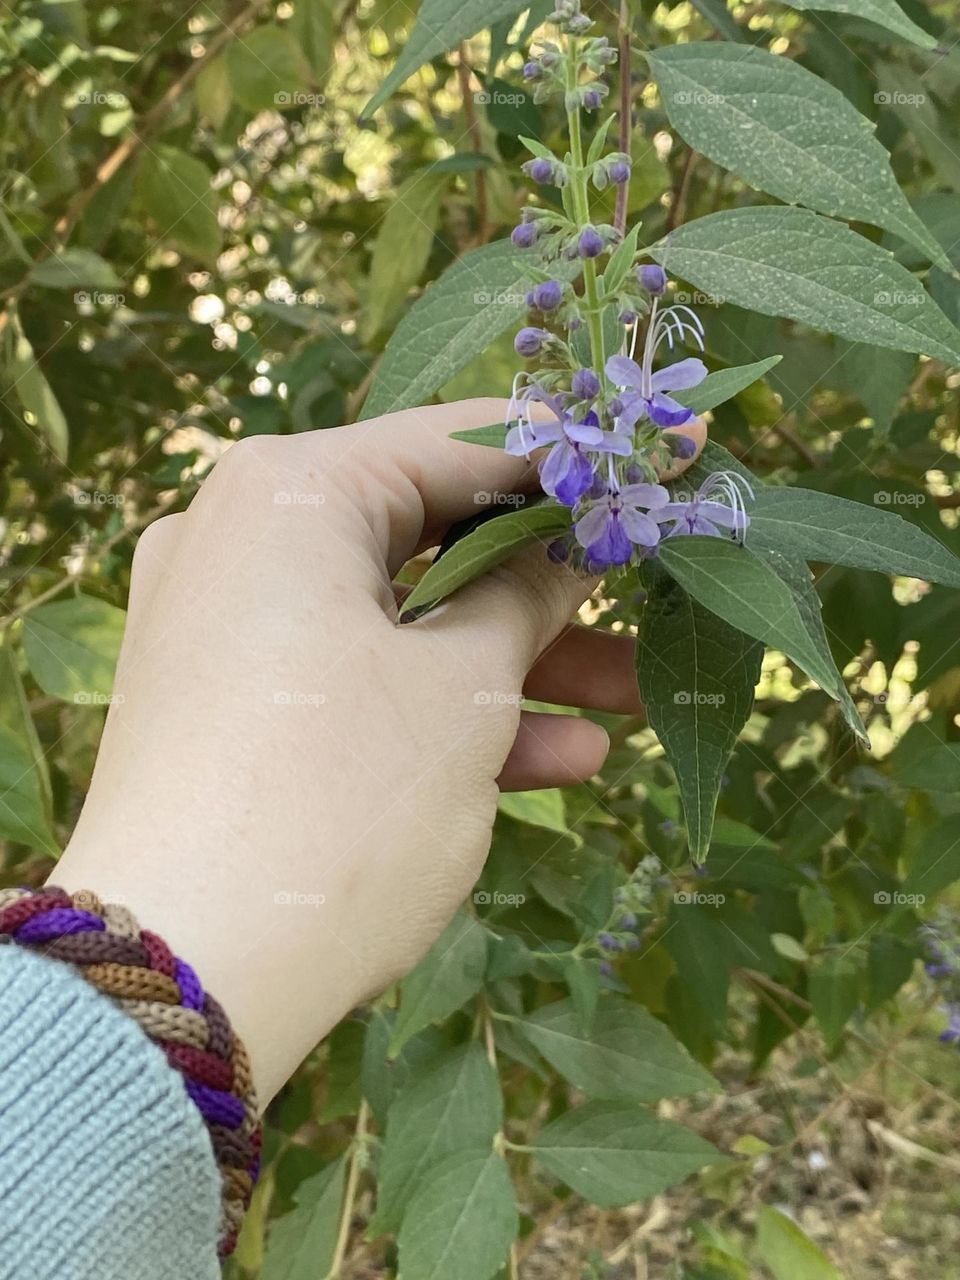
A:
(201, 240)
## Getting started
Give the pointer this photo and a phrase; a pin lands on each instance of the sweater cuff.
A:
(106, 1166)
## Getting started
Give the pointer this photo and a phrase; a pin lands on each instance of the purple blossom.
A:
(645, 391)
(683, 447)
(529, 341)
(541, 169)
(567, 472)
(652, 278)
(703, 514)
(524, 235)
(612, 527)
(627, 317)
(592, 99)
(585, 384)
(590, 244)
(618, 171)
(532, 70)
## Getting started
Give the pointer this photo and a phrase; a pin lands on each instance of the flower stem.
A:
(581, 205)
(350, 1195)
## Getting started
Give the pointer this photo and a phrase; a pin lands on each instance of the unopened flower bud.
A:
(540, 169)
(652, 278)
(616, 406)
(592, 99)
(590, 243)
(627, 317)
(618, 171)
(532, 70)
(609, 942)
(634, 474)
(524, 235)
(529, 341)
(548, 295)
(558, 551)
(585, 384)
(683, 447)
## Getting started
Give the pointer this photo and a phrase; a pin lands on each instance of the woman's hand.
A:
(291, 789)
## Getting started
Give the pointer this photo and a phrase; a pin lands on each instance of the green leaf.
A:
(475, 300)
(74, 269)
(72, 647)
(724, 384)
(402, 248)
(785, 131)
(697, 676)
(748, 593)
(787, 1251)
(33, 390)
(937, 865)
(543, 808)
(819, 526)
(885, 13)
(23, 809)
(455, 1107)
(494, 541)
(212, 92)
(834, 987)
(629, 1055)
(494, 436)
(314, 29)
(15, 714)
(449, 975)
(613, 1154)
(440, 26)
(302, 1243)
(267, 69)
(935, 770)
(794, 263)
(173, 188)
(699, 944)
(462, 1220)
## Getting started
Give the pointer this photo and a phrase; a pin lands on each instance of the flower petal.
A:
(677, 377)
(644, 495)
(666, 412)
(639, 528)
(591, 526)
(634, 408)
(612, 547)
(624, 372)
(583, 433)
(617, 442)
(566, 473)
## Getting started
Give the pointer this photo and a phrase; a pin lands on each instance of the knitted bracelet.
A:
(164, 997)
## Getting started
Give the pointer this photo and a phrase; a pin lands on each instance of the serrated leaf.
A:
(724, 384)
(462, 1221)
(449, 975)
(488, 545)
(746, 591)
(34, 392)
(301, 1244)
(885, 13)
(475, 300)
(23, 810)
(629, 1055)
(785, 131)
(72, 647)
(790, 262)
(456, 1106)
(74, 268)
(440, 26)
(494, 436)
(173, 188)
(697, 676)
(613, 1153)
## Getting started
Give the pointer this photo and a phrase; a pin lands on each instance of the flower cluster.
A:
(602, 416)
(631, 912)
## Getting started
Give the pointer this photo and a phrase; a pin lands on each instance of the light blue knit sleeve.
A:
(107, 1171)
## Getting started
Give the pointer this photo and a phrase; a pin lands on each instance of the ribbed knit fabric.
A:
(107, 1171)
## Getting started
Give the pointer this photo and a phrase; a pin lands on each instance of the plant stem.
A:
(581, 206)
(350, 1196)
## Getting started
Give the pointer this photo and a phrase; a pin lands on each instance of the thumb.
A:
(513, 612)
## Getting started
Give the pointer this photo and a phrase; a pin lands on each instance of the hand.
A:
(291, 789)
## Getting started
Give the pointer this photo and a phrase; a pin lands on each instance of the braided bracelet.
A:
(163, 995)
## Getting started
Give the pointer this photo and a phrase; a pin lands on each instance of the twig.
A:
(350, 1195)
(626, 111)
(473, 129)
(678, 203)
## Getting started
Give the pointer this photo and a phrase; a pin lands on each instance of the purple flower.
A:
(532, 70)
(524, 235)
(548, 295)
(609, 942)
(585, 384)
(652, 278)
(529, 341)
(703, 514)
(645, 391)
(683, 447)
(952, 1033)
(540, 169)
(592, 99)
(618, 171)
(618, 522)
(591, 243)
(627, 317)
